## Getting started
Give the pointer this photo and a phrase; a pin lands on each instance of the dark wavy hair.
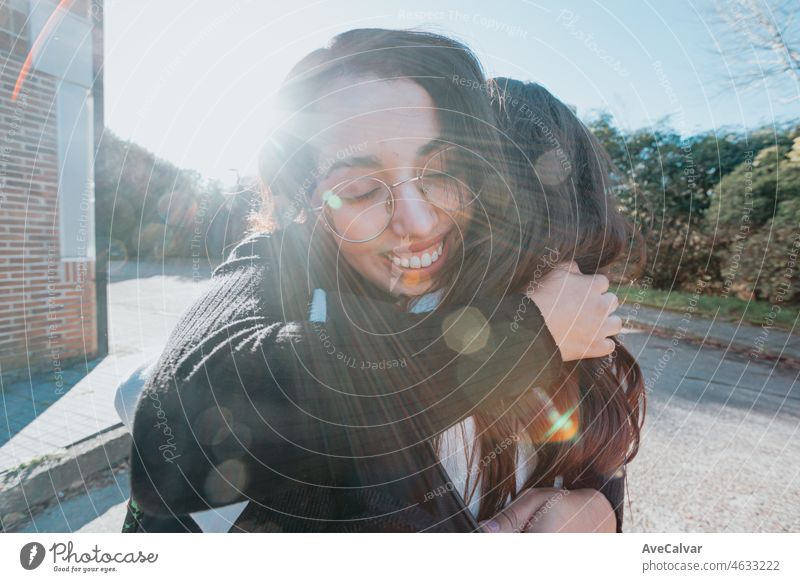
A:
(586, 429)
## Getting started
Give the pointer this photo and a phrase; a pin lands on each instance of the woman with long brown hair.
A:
(388, 172)
(585, 431)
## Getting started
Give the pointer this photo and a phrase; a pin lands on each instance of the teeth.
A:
(419, 261)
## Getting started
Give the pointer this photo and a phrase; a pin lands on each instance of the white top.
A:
(454, 453)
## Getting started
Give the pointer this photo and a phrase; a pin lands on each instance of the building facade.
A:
(48, 85)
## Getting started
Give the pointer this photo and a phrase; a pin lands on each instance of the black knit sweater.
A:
(323, 427)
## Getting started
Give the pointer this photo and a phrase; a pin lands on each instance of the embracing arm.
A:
(242, 402)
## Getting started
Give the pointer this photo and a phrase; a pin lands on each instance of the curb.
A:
(35, 487)
(781, 345)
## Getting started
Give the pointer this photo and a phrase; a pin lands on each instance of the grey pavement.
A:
(86, 408)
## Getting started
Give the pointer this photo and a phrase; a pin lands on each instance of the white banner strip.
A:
(400, 556)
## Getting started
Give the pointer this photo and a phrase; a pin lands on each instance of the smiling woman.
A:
(384, 175)
(426, 150)
(391, 206)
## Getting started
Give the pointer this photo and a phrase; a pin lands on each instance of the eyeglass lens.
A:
(360, 209)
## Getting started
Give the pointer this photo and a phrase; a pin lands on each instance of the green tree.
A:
(148, 207)
(755, 217)
(666, 184)
(658, 188)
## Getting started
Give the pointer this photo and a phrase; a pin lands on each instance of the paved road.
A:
(720, 446)
(719, 452)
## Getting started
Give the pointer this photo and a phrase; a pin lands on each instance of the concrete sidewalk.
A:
(54, 443)
(57, 437)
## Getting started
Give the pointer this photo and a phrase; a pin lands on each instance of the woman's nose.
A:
(414, 216)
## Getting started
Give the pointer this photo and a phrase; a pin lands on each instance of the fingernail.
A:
(492, 526)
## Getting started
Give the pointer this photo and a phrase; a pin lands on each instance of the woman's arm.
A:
(242, 402)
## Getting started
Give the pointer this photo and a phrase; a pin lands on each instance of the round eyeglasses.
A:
(361, 209)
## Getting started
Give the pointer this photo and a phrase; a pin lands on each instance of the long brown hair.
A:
(521, 227)
(587, 428)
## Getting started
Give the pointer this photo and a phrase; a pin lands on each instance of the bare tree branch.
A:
(763, 39)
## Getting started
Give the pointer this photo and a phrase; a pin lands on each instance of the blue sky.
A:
(192, 81)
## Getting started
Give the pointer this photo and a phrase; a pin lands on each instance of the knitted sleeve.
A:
(242, 401)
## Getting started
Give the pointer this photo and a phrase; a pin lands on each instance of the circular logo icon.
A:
(31, 555)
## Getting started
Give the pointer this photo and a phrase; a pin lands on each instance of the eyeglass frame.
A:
(390, 201)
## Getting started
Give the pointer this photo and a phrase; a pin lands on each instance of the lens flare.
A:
(563, 427)
(55, 18)
(332, 200)
(466, 331)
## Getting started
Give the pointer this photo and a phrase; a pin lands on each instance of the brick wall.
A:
(47, 304)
